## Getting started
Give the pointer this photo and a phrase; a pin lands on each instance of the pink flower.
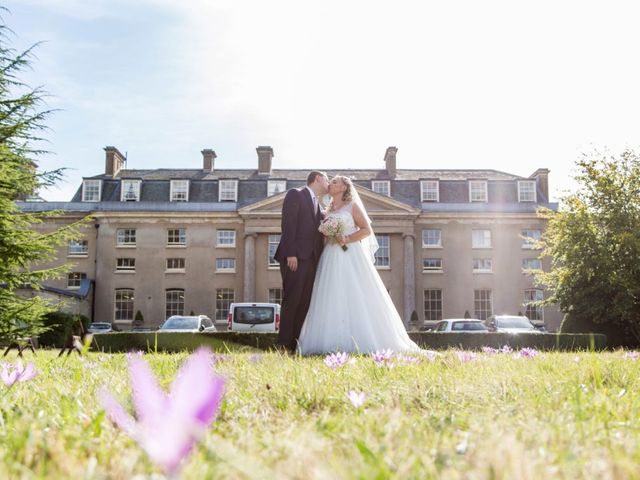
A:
(383, 358)
(17, 373)
(356, 398)
(490, 351)
(465, 356)
(632, 355)
(167, 426)
(338, 359)
(526, 353)
(506, 349)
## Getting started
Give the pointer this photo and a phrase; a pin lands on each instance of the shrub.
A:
(616, 334)
(60, 326)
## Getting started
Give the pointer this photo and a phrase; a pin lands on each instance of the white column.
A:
(250, 267)
(409, 278)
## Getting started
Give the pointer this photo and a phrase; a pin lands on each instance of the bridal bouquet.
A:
(332, 227)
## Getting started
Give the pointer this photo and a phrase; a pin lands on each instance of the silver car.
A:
(460, 325)
(510, 324)
(183, 323)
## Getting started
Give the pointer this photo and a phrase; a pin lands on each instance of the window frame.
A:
(226, 269)
(525, 268)
(424, 190)
(270, 183)
(221, 314)
(221, 189)
(272, 244)
(425, 245)
(121, 267)
(484, 261)
(178, 269)
(225, 245)
(476, 311)
(483, 246)
(137, 183)
(273, 297)
(75, 276)
(83, 253)
(115, 305)
(527, 305)
(85, 184)
(179, 243)
(534, 191)
(471, 191)
(386, 183)
(168, 291)
(439, 300)
(173, 189)
(129, 244)
(525, 244)
(435, 269)
(382, 247)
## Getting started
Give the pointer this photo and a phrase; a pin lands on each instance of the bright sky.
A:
(505, 85)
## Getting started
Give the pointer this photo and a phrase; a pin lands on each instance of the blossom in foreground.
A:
(465, 356)
(167, 426)
(526, 353)
(11, 374)
(632, 355)
(338, 359)
(383, 358)
(490, 350)
(356, 398)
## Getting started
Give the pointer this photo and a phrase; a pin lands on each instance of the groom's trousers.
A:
(296, 296)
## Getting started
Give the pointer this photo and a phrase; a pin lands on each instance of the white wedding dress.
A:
(351, 310)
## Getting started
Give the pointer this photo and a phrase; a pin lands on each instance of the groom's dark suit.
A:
(301, 239)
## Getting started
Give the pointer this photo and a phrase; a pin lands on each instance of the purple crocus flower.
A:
(167, 426)
(11, 374)
(490, 350)
(632, 355)
(527, 353)
(383, 358)
(465, 356)
(356, 398)
(506, 349)
(336, 360)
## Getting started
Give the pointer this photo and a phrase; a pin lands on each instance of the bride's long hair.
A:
(350, 194)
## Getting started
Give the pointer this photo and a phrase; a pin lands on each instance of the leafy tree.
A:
(22, 246)
(594, 245)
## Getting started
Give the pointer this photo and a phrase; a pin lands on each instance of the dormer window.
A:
(130, 191)
(478, 190)
(179, 191)
(430, 191)
(383, 187)
(275, 187)
(91, 190)
(228, 191)
(527, 191)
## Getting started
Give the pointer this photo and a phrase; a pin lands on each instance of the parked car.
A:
(509, 324)
(100, 327)
(460, 325)
(254, 317)
(183, 323)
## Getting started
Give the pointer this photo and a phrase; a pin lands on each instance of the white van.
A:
(254, 317)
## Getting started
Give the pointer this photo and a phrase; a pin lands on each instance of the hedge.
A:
(235, 341)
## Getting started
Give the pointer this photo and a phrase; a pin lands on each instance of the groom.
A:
(298, 253)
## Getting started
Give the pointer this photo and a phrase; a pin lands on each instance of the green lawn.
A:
(557, 415)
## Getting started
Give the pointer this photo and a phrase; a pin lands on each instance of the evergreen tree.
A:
(22, 246)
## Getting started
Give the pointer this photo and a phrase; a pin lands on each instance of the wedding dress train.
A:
(351, 310)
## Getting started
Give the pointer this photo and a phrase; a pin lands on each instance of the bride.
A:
(351, 310)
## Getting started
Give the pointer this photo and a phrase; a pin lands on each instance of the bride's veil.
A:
(370, 243)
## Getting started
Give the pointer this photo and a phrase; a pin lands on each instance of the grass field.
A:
(555, 415)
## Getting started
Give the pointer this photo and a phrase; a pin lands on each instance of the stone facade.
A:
(193, 240)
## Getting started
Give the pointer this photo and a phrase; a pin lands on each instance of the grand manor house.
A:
(174, 241)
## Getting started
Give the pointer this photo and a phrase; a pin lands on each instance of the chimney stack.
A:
(541, 176)
(114, 161)
(390, 161)
(265, 155)
(208, 159)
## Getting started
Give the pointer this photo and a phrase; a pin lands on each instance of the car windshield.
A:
(467, 326)
(181, 323)
(513, 322)
(100, 326)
